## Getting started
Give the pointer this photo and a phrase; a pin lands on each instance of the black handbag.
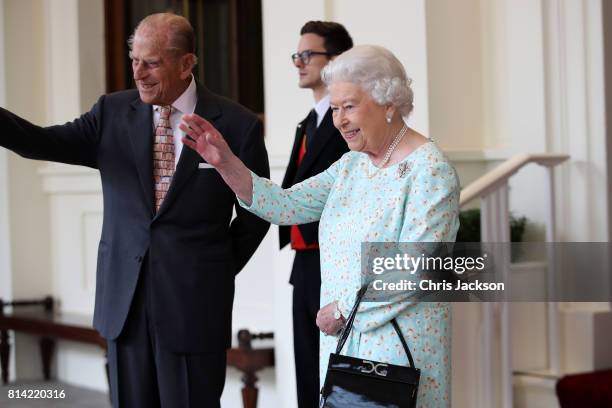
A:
(357, 383)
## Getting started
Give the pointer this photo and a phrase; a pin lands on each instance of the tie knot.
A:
(165, 111)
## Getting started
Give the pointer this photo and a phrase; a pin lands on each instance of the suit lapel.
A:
(141, 125)
(324, 133)
(188, 162)
(292, 165)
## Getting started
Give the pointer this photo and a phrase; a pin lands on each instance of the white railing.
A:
(492, 189)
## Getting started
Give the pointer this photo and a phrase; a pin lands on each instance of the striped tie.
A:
(163, 156)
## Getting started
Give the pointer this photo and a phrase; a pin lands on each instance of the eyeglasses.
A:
(304, 56)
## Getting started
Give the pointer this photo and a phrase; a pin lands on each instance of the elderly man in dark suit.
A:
(317, 145)
(169, 249)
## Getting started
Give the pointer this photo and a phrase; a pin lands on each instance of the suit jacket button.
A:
(138, 259)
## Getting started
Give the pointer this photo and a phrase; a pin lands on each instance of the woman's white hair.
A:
(377, 71)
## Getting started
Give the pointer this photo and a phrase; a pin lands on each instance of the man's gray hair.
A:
(180, 35)
(377, 71)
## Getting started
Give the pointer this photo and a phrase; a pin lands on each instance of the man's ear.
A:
(187, 63)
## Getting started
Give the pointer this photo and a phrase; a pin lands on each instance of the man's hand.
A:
(326, 319)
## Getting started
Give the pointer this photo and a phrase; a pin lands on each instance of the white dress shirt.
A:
(321, 108)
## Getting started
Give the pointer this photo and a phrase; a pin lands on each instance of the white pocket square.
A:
(205, 166)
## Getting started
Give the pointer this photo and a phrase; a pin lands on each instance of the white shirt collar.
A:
(321, 108)
(185, 103)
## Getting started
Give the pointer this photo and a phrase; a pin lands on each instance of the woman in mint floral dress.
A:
(394, 186)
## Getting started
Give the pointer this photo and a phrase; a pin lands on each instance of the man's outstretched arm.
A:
(72, 143)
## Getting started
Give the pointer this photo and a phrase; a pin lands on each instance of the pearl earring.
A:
(388, 119)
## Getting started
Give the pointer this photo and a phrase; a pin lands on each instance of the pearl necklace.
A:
(389, 152)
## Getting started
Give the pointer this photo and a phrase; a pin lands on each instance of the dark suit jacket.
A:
(192, 247)
(326, 148)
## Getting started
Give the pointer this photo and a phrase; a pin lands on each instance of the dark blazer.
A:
(326, 148)
(192, 247)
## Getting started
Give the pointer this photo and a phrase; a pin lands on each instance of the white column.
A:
(553, 318)
(576, 124)
(575, 101)
(496, 364)
(6, 281)
(5, 251)
(6, 284)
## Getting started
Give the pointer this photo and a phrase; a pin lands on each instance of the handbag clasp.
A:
(378, 369)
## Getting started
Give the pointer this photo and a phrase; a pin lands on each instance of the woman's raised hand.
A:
(202, 137)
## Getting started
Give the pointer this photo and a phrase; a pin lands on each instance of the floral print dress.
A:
(416, 200)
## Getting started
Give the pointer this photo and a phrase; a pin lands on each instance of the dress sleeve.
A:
(300, 204)
(431, 215)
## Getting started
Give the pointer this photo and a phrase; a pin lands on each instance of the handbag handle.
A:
(349, 326)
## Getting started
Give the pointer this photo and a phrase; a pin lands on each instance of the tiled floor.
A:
(74, 396)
